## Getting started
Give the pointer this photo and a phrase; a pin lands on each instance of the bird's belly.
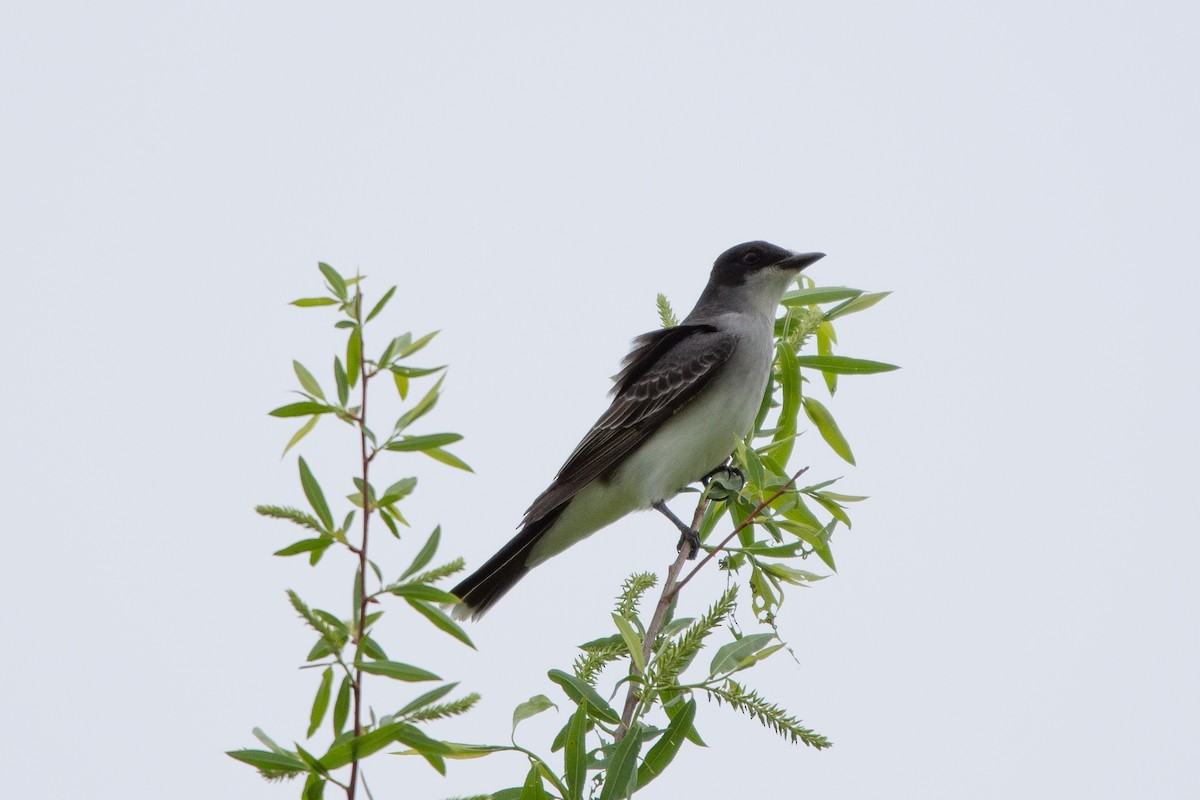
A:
(691, 443)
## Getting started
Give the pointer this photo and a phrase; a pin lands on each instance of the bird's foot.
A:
(724, 482)
(691, 539)
(688, 535)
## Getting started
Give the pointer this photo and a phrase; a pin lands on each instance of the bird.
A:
(683, 397)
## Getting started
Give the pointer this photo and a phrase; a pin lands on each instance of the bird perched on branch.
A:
(683, 398)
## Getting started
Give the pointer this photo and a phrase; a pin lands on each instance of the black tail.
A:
(482, 588)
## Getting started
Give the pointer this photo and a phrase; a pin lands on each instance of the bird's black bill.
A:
(799, 261)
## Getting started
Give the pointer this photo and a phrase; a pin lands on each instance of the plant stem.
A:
(671, 587)
(360, 589)
(660, 611)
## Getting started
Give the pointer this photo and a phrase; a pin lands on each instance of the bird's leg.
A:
(690, 536)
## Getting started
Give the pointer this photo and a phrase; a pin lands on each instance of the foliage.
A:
(345, 650)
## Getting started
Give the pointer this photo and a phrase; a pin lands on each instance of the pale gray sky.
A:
(1016, 613)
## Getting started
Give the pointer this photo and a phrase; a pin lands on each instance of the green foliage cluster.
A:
(345, 650)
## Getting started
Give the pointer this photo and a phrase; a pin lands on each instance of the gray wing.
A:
(665, 370)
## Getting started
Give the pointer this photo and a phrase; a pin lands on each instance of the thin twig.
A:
(745, 524)
(360, 589)
(671, 587)
(660, 611)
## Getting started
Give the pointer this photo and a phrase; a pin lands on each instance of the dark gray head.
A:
(739, 262)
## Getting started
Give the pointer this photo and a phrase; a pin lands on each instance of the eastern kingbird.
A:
(683, 397)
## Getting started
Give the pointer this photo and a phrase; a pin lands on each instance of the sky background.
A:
(1016, 610)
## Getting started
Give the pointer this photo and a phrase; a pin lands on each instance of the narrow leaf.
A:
(828, 428)
(300, 434)
(424, 442)
(320, 702)
(620, 777)
(309, 302)
(844, 365)
(408, 350)
(533, 788)
(354, 356)
(860, 303)
(819, 294)
(579, 691)
(730, 655)
(425, 555)
(441, 620)
(575, 753)
(301, 409)
(341, 707)
(307, 381)
(664, 750)
(336, 281)
(632, 641)
(382, 302)
(446, 457)
(316, 498)
(397, 671)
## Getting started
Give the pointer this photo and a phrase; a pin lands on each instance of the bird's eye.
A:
(750, 258)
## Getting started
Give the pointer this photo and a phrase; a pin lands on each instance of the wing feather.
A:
(664, 371)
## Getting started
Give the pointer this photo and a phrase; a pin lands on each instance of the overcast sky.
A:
(1016, 609)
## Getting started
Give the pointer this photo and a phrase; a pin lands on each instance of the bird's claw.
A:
(691, 538)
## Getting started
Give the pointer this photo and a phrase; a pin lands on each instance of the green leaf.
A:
(423, 442)
(415, 372)
(408, 350)
(446, 457)
(397, 671)
(339, 755)
(844, 365)
(382, 302)
(401, 382)
(316, 498)
(632, 641)
(789, 380)
(301, 409)
(828, 428)
(354, 356)
(343, 383)
(819, 294)
(307, 381)
(798, 577)
(860, 303)
(664, 750)
(422, 407)
(575, 753)
(309, 302)
(320, 702)
(732, 654)
(268, 762)
(531, 707)
(533, 789)
(300, 434)
(398, 491)
(303, 546)
(314, 787)
(336, 281)
(825, 336)
(341, 707)
(621, 775)
(425, 555)
(579, 691)
(421, 591)
(441, 620)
